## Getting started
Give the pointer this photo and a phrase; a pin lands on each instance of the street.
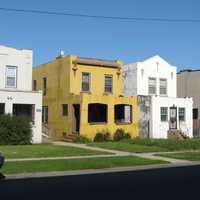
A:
(180, 182)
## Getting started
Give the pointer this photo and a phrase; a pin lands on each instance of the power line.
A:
(101, 16)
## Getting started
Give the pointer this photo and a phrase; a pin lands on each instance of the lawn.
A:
(76, 164)
(44, 150)
(127, 146)
(192, 156)
(151, 145)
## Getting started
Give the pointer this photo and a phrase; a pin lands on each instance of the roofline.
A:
(97, 62)
(188, 70)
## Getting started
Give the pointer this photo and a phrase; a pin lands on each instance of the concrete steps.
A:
(69, 137)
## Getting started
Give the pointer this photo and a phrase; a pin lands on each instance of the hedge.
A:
(15, 130)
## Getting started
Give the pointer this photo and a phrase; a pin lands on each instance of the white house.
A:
(16, 95)
(155, 78)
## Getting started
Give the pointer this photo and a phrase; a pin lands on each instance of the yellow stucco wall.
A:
(64, 87)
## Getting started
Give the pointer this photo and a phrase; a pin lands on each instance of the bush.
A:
(127, 136)
(107, 137)
(81, 139)
(119, 134)
(99, 137)
(102, 137)
(15, 130)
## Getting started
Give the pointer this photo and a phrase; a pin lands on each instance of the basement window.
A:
(123, 113)
(97, 113)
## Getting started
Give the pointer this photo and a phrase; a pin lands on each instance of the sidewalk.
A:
(113, 153)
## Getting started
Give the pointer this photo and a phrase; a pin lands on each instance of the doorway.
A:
(76, 118)
(173, 118)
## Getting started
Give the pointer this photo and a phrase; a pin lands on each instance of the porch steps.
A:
(69, 137)
(176, 134)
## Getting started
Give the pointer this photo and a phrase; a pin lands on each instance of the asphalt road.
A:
(171, 183)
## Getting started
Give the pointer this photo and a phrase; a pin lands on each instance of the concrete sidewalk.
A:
(113, 153)
(122, 153)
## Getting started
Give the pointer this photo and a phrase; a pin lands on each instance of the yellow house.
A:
(84, 96)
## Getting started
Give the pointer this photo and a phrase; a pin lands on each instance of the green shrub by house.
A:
(119, 134)
(80, 139)
(15, 130)
(102, 137)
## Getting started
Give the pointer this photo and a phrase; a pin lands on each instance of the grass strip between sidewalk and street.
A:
(191, 156)
(44, 150)
(76, 164)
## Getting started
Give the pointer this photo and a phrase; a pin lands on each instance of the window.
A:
(152, 86)
(45, 114)
(195, 113)
(164, 114)
(163, 87)
(11, 76)
(34, 85)
(64, 109)
(123, 113)
(85, 82)
(108, 84)
(97, 113)
(44, 86)
(27, 110)
(2, 108)
(181, 114)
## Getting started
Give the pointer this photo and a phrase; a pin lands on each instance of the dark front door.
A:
(76, 118)
(173, 118)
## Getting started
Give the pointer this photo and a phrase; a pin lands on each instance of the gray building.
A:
(188, 84)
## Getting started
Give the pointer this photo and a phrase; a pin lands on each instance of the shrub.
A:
(107, 137)
(99, 137)
(127, 136)
(119, 134)
(15, 130)
(81, 139)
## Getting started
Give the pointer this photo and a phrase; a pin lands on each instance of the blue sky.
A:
(178, 43)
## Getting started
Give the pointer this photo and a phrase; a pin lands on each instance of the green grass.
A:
(192, 156)
(64, 165)
(44, 150)
(151, 145)
(127, 146)
(170, 144)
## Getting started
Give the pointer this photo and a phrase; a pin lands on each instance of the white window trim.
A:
(166, 87)
(11, 66)
(155, 85)
(108, 75)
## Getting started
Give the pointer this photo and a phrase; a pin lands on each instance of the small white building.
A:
(16, 95)
(155, 78)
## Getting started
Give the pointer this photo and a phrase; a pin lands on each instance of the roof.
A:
(97, 62)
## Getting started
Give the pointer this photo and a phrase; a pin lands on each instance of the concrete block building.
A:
(160, 111)
(82, 96)
(16, 95)
(188, 82)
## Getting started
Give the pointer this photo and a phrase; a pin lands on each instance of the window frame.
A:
(44, 81)
(152, 78)
(89, 81)
(161, 87)
(108, 76)
(64, 112)
(165, 114)
(34, 85)
(45, 114)
(16, 75)
(182, 120)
